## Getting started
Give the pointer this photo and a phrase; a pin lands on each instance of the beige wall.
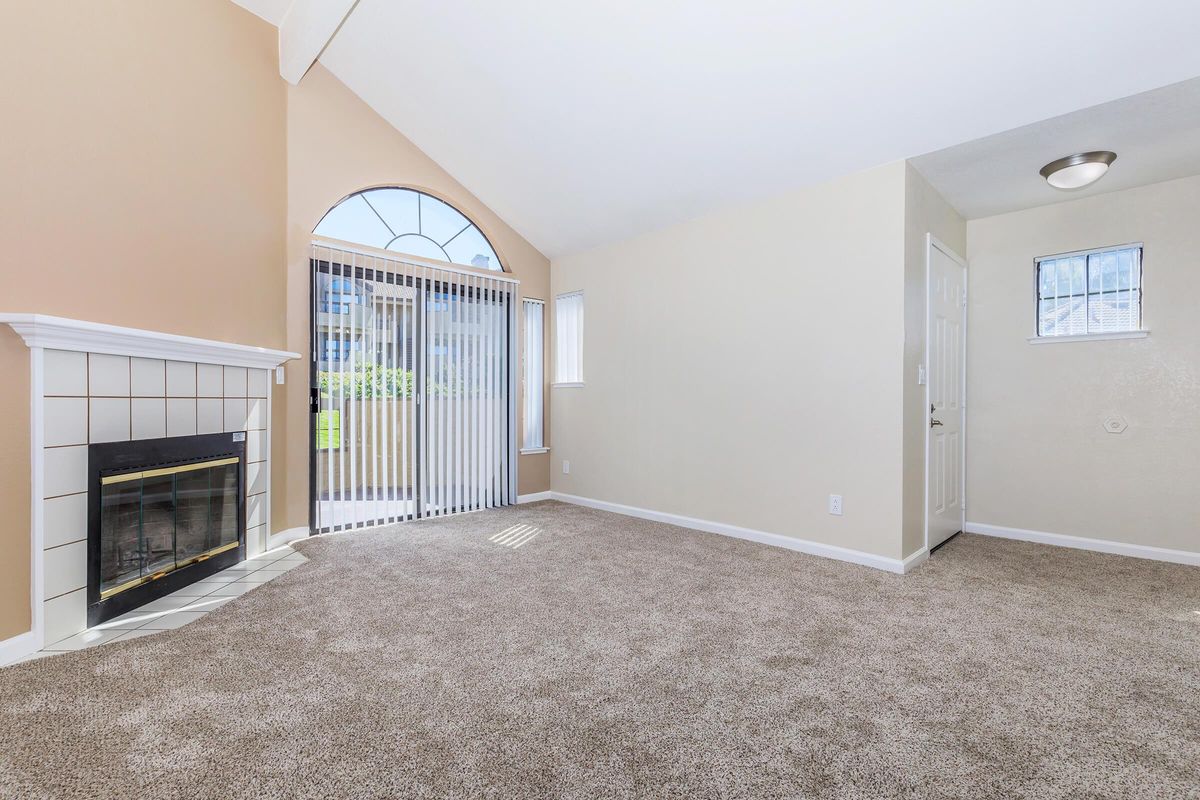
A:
(925, 211)
(142, 184)
(337, 145)
(1038, 458)
(742, 366)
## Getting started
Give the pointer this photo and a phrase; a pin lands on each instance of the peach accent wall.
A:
(338, 145)
(143, 184)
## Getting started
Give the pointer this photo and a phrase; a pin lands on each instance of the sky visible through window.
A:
(408, 221)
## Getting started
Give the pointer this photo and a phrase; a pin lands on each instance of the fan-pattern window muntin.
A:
(1090, 292)
(411, 222)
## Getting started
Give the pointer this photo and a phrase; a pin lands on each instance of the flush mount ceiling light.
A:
(1079, 170)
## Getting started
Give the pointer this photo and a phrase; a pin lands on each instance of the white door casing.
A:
(945, 393)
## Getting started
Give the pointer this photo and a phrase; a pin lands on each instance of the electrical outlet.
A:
(566, 467)
(835, 504)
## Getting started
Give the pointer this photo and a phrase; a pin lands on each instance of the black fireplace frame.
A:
(113, 458)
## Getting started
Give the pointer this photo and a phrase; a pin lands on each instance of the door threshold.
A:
(943, 542)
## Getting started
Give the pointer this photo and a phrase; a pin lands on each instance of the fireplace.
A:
(162, 513)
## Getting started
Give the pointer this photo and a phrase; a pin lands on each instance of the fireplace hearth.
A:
(162, 513)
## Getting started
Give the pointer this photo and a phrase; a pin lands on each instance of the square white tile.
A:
(175, 619)
(65, 470)
(209, 415)
(64, 568)
(136, 634)
(233, 590)
(256, 383)
(108, 376)
(210, 380)
(238, 570)
(181, 379)
(235, 414)
(261, 576)
(66, 421)
(207, 604)
(65, 615)
(148, 417)
(256, 535)
(147, 377)
(256, 446)
(108, 419)
(126, 622)
(170, 602)
(84, 640)
(213, 581)
(194, 590)
(256, 414)
(64, 519)
(256, 478)
(254, 511)
(235, 381)
(181, 416)
(64, 373)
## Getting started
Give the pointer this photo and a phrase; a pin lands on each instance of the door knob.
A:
(933, 422)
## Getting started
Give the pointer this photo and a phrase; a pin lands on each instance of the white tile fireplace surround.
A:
(102, 383)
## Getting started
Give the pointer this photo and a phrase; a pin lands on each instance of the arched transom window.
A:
(412, 222)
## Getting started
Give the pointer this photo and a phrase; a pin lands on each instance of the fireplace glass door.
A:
(156, 521)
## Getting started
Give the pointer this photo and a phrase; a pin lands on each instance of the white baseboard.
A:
(285, 536)
(533, 498)
(19, 646)
(915, 560)
(1082, 543)
(763, 537)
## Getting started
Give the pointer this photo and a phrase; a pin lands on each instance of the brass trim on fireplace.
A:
(207, 554)
(154, 473)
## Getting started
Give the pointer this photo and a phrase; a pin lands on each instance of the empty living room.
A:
(414, 399)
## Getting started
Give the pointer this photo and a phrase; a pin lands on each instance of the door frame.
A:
(932, 242)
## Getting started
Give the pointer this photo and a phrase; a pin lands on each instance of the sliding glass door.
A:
(412, 394)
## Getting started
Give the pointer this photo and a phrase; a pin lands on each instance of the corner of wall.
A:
(925, 212)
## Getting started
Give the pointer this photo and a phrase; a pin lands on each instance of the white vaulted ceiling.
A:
(581, 123)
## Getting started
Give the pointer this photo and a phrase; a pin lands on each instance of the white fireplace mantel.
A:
(60, 333)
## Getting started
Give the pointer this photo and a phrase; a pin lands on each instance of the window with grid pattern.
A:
(1090, 292)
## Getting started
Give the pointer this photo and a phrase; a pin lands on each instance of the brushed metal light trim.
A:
(1106, 157)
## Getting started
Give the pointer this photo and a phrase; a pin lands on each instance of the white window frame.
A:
(533, 372)
(574, 340)
(1140, 332)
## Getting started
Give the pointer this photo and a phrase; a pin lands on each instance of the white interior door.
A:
(945, 359)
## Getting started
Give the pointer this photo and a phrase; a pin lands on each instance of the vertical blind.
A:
(568, 338)
(533, 373)
(413, 392)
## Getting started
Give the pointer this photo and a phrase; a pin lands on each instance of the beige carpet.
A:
(610, 657)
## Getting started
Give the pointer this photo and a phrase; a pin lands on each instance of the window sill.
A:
(1089, 337)
(533, 451)
(568, 385)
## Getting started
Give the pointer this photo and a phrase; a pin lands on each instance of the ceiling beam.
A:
(306, 28)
